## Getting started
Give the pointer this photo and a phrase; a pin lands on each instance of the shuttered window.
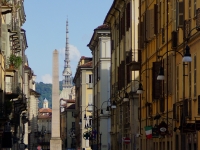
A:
(89, 78)
(190, 79)
(128, 16)
(174, 111)
(198, 104)
(195, 7)
(177, 83)
(157, 86)
(195, 76)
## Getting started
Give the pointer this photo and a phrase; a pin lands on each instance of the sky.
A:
(46, 31)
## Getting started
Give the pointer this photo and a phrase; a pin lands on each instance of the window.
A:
(72, 114)
(89, 78)
(177, 82)
(195, 7)
(195, 75)
(190, 80)
(128, 16)
(198, 104)
(189, 4)
(73, 125)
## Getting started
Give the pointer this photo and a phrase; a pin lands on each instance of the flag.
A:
(148, 131)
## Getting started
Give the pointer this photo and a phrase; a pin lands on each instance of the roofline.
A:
(94, 33)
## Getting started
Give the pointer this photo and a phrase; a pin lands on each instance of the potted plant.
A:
(14, 61)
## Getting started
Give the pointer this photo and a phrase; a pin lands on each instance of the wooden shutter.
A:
(151, 24)
(170, 74)
(4, 38)
(163, 35)
(187, 28)
(141, 35)
(162, 104)
(165, 75)
(185, 107)
(155, 19)
(147, 25)
(174, 39)
(174, 111)
(198, 19)
(123, 24)
(157, 86)
(180, 14)
(128, 16)
(87, 78)
(198, 104)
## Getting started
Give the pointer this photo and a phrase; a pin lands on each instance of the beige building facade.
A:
(100, 48)
(122, 19)
(83, 82)
(43, 134)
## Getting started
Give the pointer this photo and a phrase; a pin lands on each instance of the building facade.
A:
(171, 28)
(122, 19)
(83, 82)
(43, 134)
(100, 47)
(15, 79)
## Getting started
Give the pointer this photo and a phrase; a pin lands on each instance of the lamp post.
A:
(113, 106)
(185, 58)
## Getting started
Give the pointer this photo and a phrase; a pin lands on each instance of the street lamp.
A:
(113, 106)
(140, 89)
(186, 58)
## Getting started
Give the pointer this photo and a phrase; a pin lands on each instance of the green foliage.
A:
(46, 92)
(15, 61)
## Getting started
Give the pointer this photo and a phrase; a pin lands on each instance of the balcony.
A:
(12, 88)
(133, 60)
(6, 6)
(90, 85)
(10, 72)
(15, 32)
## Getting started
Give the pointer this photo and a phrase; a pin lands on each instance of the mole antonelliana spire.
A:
(67, 73)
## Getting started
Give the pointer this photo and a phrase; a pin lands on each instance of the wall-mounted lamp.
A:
(80, 121)
(113, 106)
(126, 98)
(140, 89)
(187, 56)
(85, 118)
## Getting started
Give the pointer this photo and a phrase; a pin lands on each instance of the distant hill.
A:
(46, 92)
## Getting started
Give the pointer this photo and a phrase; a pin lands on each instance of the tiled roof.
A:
(45, 110)
(103, 27)
(88, 64)
(44, 116)
(83, 57)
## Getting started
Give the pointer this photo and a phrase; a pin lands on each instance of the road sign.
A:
(127, 140)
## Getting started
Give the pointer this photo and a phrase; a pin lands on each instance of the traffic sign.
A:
(127, 140)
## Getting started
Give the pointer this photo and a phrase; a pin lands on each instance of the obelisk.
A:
(55, 142)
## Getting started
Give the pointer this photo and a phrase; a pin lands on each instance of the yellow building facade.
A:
(169, 107)
(83, 83)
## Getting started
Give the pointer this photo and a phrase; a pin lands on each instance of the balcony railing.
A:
(12, 88)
